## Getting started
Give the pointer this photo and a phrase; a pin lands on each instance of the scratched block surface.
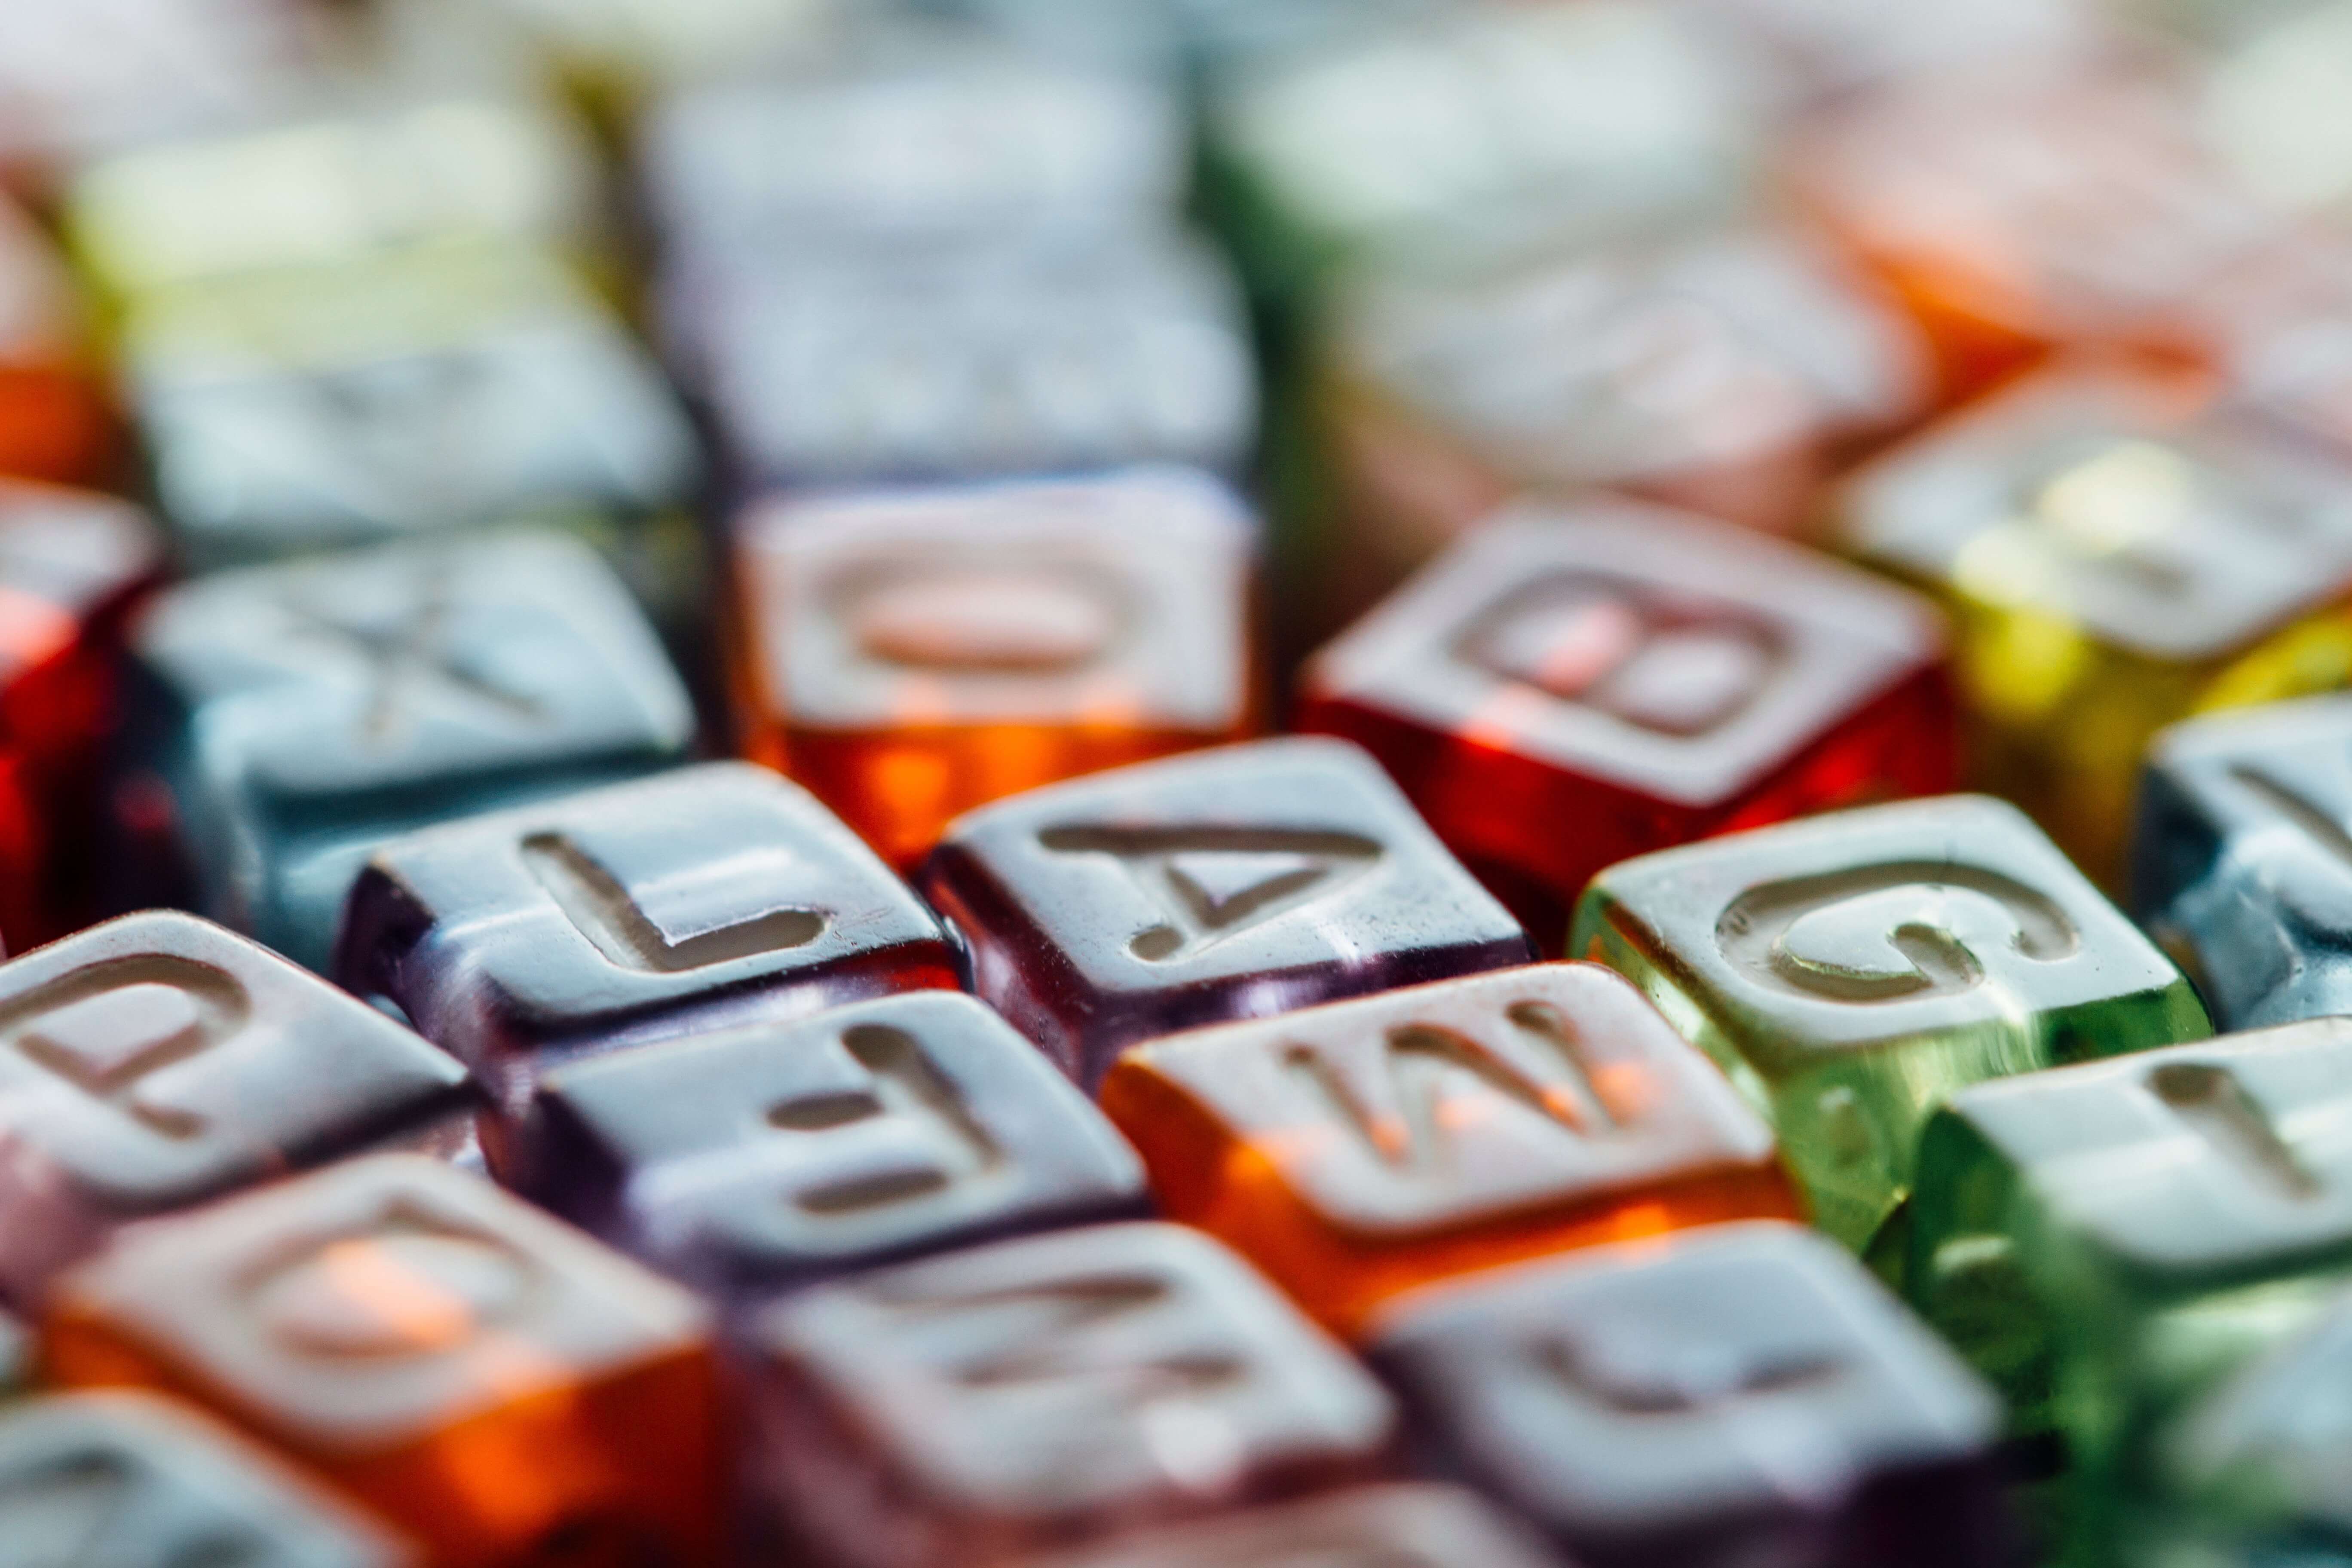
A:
(959, 1412)
(158, 1061)
(1359, 1149)
(2105, 1239)
(303, 713)
(2243, 858)
(1850, 970)
(703, 899)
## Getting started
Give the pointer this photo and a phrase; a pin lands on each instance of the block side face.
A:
(1965, 1273)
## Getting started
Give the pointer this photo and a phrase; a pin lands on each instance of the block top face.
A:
(2279, 775)
(1862, 929)
(2111, 501)
(158, 1060)
(319, 680)
(2232, 1155)
(370, 1304)
(844, 366)
(1466, 1099)
(1121, 600)
(123, 1478)
(863, 1128)
(1038, 1377)
(430, 390)
(327, 189)
(1639, 361)
(1221, 865)
(703, 879)
(1681, 658)
(1628, 1388)
(2087, 188)
(1403, 1525)
(962, 142)
(1487, 130)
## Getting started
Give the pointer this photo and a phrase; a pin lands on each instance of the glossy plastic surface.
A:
(1567, 688)
(129, 1479)
(158, 1061)
(2242, 860)
(704, 898)
(1851, 971)
(1362, 1148)
(73, 563)
(967, 1409)
(1234, 883)
(2106, 1239)
(1740, 1393)
(2117, 554)
(304, 714)
(782, 1153)
(490, 1381)
(912, 654)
